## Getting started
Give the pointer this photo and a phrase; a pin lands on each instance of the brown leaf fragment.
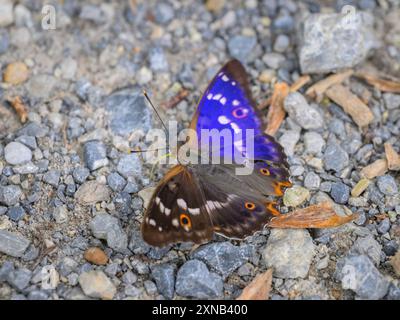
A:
(259, 288)
(182, 94)
(351, 104)
(318, 89)
(300, 82)
(392, 157)
(379, 83)
(321, 215)
(19, 108)
(375, 169)
(276, 113)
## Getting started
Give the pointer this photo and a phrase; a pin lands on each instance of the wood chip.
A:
(351, 104)
(182, 94)
(392, 157)
(318, 89)
(276, 113)
(19, 108)
(360, 187)
(259, 288)
(375, 169)
(379, 83)
(321, 215)
(300, 82)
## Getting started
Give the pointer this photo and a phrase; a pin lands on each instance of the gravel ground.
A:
(71, 196)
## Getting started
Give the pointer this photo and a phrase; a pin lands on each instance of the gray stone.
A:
(6, 268)
(3, 210)
(158, 60)
(66, 266)
(283, 22)
(93, 13)
(132, 291)
(10, 195)
(26, 168)
(95, 154)
(19, 279)
(384, 226)
(335, 158)
(281, 43)
(150, 287)
(164, 276)
(17, 153)
(340, 192)
(29, 141)
(393, 293)
(32, 129)
(6, 13)
(194, 280)
(164, 13)
(130, 165)
(4, 41)
(91, 192)
(288, 141)
(122, 202)
(335, 41)
(60, 214)
(241, 47)
(223, 257)
(80, 174)
(289, 252)
(387, 185)
(129, 277)
(274, 60)
(96, 284)
(128, 111)
(16, 213)
(359, 274)
(116, 182)
(301, 112)
(104, 226)
(38, 295)
(313, 142)
(312, 181)
(392, 101)
(52, 177)
(367, 246)
(12, 244)
(40, 86)
(88, 92)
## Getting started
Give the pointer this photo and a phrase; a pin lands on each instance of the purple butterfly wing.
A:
(227, 104)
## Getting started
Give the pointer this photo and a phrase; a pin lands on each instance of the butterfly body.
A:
(195, 200)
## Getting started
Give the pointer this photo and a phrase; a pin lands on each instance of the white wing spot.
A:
(217, 96)
(225, 78)
(233, 83)
(157, 200)
(235, 127)
(194, 211)
(182, 203)
(162, 207)
(160, 229)
(167, 212)
(152, 222)
(175, 222)
(235, 102)
(220, 74)
(223, 120)
(209, 96)
(223, 100)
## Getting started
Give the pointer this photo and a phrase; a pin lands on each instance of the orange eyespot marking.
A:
(185, 221)
(250, 206)
(279, 185)
(240, 113)
(265, 172)
(271, 207)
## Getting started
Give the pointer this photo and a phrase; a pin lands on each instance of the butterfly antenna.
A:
(155, 110)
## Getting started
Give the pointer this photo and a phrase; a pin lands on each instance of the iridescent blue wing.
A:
(227, 104)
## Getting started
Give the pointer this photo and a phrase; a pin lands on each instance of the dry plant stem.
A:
(175, 99)
(259, 288)
(375, 169)
(300, 83)
(321, 215)
(276, 113)
(392, 157)
(318, 89)
(351, 104)
(380, 84)
(19, 108)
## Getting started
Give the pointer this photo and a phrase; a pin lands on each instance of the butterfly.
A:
(193, 202)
